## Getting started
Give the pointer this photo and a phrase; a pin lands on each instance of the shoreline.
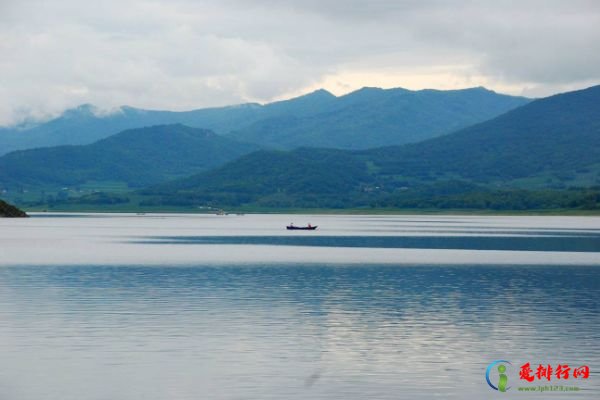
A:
(318, 211)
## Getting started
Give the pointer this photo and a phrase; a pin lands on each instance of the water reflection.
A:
(531, 242)
(294, 331)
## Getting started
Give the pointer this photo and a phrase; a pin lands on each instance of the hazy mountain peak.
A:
(372, 91)
(316, 94)
(81, 110)
(481, 89)
(367, 89)
(322, 92)
(306, 104)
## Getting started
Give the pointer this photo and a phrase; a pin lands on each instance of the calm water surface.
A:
(236, 307)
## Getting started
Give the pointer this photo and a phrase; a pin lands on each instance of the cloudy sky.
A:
(185, 54)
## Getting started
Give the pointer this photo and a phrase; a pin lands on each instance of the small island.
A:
(10, 211)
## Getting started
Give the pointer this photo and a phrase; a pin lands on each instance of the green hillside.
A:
(136, 157)
(274, 178)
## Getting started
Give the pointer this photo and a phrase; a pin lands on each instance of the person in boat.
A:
(309, 225)
(292, 224)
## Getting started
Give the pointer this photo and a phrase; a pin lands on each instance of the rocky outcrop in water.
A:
(10, 211)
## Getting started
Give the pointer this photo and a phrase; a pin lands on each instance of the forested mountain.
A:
(136, 157)
(554, 141)
(555, 135)
(362, 119)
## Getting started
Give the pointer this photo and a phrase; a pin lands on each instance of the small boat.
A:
(291, 227)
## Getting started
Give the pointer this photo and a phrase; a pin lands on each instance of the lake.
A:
(109, 306)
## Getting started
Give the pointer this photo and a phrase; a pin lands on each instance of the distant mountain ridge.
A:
(81, 125)
(373, 117)
(136, 157)
(365, 118)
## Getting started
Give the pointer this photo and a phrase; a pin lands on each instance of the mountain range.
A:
(365, 118)
(373, 117)
(541, 154)
(550, 143)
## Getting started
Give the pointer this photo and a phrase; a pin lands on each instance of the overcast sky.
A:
(185, 54)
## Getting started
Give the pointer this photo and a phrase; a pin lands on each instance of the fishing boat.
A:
(309, 227)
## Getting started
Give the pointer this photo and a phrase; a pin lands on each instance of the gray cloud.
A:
(183, 54)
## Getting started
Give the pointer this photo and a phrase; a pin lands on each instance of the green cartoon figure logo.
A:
(502, 377)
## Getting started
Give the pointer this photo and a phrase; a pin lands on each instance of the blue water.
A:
(196, 310)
